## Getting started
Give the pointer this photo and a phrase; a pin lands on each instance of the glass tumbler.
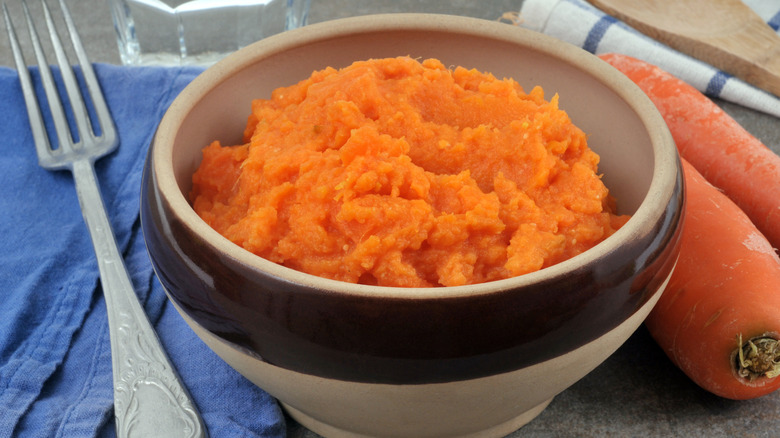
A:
(197, 32)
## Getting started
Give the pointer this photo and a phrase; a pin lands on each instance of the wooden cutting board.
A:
(726, 34)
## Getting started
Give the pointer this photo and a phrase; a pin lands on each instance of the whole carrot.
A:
(726, 154)
(719, 318)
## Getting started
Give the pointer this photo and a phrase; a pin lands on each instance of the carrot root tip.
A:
(758, 358)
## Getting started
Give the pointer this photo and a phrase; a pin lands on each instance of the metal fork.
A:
(149, 399)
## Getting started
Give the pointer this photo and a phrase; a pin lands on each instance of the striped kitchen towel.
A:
(581, 24)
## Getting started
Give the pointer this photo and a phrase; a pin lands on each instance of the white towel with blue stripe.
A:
(581, 24)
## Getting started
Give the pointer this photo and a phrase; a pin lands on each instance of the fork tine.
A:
(50, 87)
(33, 110)
(108, 130)
(83, 125)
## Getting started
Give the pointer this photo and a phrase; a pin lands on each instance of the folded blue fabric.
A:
(55, 364)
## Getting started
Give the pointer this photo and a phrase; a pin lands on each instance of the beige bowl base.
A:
(499, 430)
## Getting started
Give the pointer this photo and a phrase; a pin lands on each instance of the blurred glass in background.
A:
(197, 32)
(201, 32)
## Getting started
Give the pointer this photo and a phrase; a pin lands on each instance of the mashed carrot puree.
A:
(405, 173)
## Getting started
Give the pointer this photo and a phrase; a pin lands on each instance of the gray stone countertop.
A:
(637, 392)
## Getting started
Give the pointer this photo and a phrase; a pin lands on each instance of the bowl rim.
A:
(649, 211)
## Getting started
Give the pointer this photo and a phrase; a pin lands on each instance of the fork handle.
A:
(149, 398)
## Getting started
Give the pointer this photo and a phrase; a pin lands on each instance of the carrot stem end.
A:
(758, 358)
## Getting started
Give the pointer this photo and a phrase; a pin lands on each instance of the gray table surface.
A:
(637, 391)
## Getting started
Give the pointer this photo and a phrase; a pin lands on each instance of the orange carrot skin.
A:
(725, 284)
(726, 154)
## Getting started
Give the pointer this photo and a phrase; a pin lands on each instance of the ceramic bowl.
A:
(356, 360)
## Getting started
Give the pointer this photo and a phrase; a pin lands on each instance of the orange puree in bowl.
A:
(404, 173)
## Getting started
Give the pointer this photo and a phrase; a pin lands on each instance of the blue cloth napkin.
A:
(55, 365)
(581, 24)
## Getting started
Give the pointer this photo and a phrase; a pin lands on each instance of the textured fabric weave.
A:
(55, 362)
